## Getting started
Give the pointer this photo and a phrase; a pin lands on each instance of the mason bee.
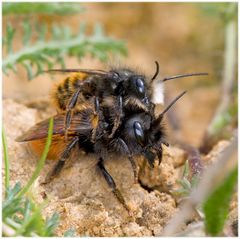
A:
(119, 88)
(117, 91)
(138, 134)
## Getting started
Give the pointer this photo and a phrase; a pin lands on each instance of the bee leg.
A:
(71, 104)
(134, 167)
(159, 154)
(118, 117)
(150, 157)
(165, 143)
(112, 184)
(130, 158)
(65, 155)
(95, 120)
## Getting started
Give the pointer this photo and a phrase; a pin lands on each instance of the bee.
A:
(117, 91)
(138, 134)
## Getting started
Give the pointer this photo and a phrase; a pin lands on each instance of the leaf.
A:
(42, 53)
(217, 205)
(27, 32)
(225, 11)
(34, 223)
(180, 192)
(11, 204)
(186, 170)
(41, 8)
(185, 183)
(195, 180)
(42, 31)
(69, 233)
(29, 70)
(12, 192)
(27, 209)
(9, 38)
(20, 215)
(51, 224)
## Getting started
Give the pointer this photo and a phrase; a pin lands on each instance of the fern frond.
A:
(19, 8)
(46, 53)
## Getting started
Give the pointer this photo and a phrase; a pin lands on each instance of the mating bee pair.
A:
(104, 112)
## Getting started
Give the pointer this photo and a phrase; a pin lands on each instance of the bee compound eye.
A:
(140, 86)
(139, 133)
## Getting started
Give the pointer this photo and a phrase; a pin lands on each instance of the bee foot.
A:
(131, 212)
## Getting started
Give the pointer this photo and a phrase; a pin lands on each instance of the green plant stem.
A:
(6, 161)
(228, 77)
(40, 162)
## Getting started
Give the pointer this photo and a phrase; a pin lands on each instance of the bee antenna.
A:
(159, 118)
(157, 71)
(184, 75)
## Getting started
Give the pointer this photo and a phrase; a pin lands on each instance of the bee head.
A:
(136, 128)
(138, 134)
(127, 83)
(137, 85)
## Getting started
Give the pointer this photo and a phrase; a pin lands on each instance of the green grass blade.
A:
(6, 160)
(217, 205)
(41, 161)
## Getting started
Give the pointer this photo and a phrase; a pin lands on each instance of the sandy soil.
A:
(81, 196)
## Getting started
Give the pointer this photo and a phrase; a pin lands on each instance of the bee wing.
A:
(57, 147)
(86, 71)
(37, 135)
(40, 131)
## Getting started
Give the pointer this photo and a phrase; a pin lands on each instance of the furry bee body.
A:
(119, 90)
(103, 112)
(102, 87)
